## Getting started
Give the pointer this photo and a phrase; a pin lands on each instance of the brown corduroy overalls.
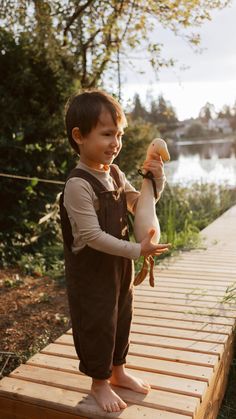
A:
(99, 285)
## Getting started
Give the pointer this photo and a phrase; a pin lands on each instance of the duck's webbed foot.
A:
(151, 275)
(142, 274)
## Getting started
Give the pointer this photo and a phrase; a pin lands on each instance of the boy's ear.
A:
(76, 135)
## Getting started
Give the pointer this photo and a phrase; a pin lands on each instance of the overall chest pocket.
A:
(112, 214)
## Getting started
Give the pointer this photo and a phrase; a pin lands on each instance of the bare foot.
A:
(106, 398)
(122, 379)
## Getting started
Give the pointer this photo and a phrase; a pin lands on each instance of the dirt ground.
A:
(33, 312)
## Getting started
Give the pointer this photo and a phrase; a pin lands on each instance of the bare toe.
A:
(106, 398)
(116, 407)
(122, 404)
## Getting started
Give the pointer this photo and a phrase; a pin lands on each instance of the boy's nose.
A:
(115, 141)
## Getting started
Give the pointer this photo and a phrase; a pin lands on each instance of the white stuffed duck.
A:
(145, 214)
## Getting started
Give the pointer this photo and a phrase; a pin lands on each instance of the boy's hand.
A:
(155, 166)
(148, 248)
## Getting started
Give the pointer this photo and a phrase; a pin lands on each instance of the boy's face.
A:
(102, 144)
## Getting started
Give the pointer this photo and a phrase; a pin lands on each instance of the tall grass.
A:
(184, 211)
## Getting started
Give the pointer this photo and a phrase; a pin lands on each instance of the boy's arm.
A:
(79, 202)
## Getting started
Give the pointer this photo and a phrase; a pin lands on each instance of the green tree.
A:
(31, 139)
(91, 33)
(233, 119)
(162, 114)
(207, 112)
(139, 111)
(225, 112)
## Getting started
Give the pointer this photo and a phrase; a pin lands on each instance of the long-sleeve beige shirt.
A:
(81, 204)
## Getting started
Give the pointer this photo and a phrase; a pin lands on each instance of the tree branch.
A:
(78, 11)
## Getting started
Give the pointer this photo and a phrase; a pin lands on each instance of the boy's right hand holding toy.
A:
(148, 248)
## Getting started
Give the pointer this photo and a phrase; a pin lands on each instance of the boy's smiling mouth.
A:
(110, 153)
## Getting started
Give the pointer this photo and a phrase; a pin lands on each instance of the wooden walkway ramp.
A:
(181, 341)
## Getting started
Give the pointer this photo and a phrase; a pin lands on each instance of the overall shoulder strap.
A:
(114, 175)
(94, 182)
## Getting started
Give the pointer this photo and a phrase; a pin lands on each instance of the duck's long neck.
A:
(147, 193)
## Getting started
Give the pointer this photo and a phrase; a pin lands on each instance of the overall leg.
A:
(125, 310)
(120, 376)
(94, 301)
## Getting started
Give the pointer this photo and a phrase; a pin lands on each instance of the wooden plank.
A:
(17, 409)
(186, 302)
(187, 317)
(226, 269)
(218, 274)
(187, 357)
(179, 333)
(157, 399)
(208, 256)
(188, 281)
(151, 351)
(209, 311)
(181, 324)
(148, 364)
(220, 278)
(168, 286)
(208, 262)
(68, 401)
(196, 273)
(183, 288)
(177, 369)
(212, 400)
(158, 381)
(165, 291)
(214, 253)
(192, 257)
(187, 296)
(183, 344)
(217, 254)
(211, 272)
(205, 263)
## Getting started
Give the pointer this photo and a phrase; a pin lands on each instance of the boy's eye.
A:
(108, 134)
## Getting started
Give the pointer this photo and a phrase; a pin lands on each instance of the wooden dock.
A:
(181, 342)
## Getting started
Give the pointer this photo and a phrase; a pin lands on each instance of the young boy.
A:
(98, 254)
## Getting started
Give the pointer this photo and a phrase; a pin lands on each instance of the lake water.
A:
(189, 169)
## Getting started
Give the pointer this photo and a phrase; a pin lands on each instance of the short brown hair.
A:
(83, 111)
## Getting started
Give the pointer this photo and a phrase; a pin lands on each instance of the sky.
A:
(208, 77)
